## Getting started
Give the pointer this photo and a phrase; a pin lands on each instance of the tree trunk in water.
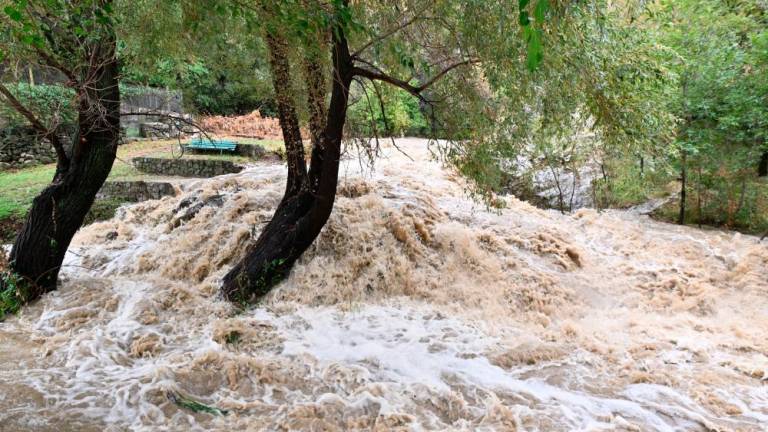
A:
(698, 195)
(303, 211)
(681, 216)
(60, 209)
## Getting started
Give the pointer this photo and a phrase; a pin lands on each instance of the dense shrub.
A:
(52, 103)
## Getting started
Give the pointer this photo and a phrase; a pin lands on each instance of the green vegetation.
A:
(193, 405)
(52, 103)
(12, 293)
(628, 185)
(233, 337)
(377, 111)
(676, 94)
(716, 54)
(212, 58)
(19, 187)
(719, 50)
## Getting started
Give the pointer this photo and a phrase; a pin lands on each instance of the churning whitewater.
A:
(416, 309)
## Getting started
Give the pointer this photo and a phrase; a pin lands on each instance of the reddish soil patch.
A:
(252, 125)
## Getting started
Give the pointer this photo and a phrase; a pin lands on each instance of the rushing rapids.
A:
(416, 309)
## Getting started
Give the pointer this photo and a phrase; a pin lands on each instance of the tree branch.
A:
(46, 132)
(389, 33)
(21, 109)
(52, 62)
(415, 90)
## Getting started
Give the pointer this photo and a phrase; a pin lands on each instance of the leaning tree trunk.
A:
(58, 212)
(304, 210)
(683, 185)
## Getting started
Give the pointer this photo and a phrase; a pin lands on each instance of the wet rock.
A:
(193, 210)
(186, 202)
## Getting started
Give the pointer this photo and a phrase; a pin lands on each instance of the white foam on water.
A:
(416, 309)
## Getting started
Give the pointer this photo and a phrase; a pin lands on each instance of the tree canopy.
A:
(648, 92)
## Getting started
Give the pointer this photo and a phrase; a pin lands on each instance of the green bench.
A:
(208, 144)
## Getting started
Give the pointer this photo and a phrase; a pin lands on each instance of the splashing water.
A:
(416, 309)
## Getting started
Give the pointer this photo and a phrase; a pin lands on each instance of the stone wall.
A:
(254, 151)
(135, 191)
(22, 146)
(185, 167)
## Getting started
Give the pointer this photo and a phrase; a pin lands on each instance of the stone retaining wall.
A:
(135, 191)
(254, 151)
(185, 167)
(22, 146)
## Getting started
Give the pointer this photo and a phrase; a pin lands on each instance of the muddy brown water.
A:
(417, 309)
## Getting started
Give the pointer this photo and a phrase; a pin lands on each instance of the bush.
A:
(13, 293)
(49, 102)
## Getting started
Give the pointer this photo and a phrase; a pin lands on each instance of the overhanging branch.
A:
(415, 90)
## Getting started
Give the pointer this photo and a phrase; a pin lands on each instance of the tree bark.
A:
(286, 108)
(307, 205)
(58, 212)
(681, 216)
(762, 167)
(303, 211)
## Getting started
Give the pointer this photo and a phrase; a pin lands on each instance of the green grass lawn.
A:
(19, 187)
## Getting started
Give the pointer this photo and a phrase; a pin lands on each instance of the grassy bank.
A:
(19, 187)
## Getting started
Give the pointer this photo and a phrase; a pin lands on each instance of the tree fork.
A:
(304, 211)
(301, 215)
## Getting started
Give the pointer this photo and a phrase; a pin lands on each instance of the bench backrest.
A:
(212, 144)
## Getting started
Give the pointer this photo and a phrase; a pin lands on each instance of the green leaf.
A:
(524, 20)
(12, 13)
(534, 48)
(541, 10)
(193, 405)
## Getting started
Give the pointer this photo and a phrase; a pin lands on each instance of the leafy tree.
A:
(601, 75)
(479, 75)
(77, 40)
(213, 58)
(718, 50)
